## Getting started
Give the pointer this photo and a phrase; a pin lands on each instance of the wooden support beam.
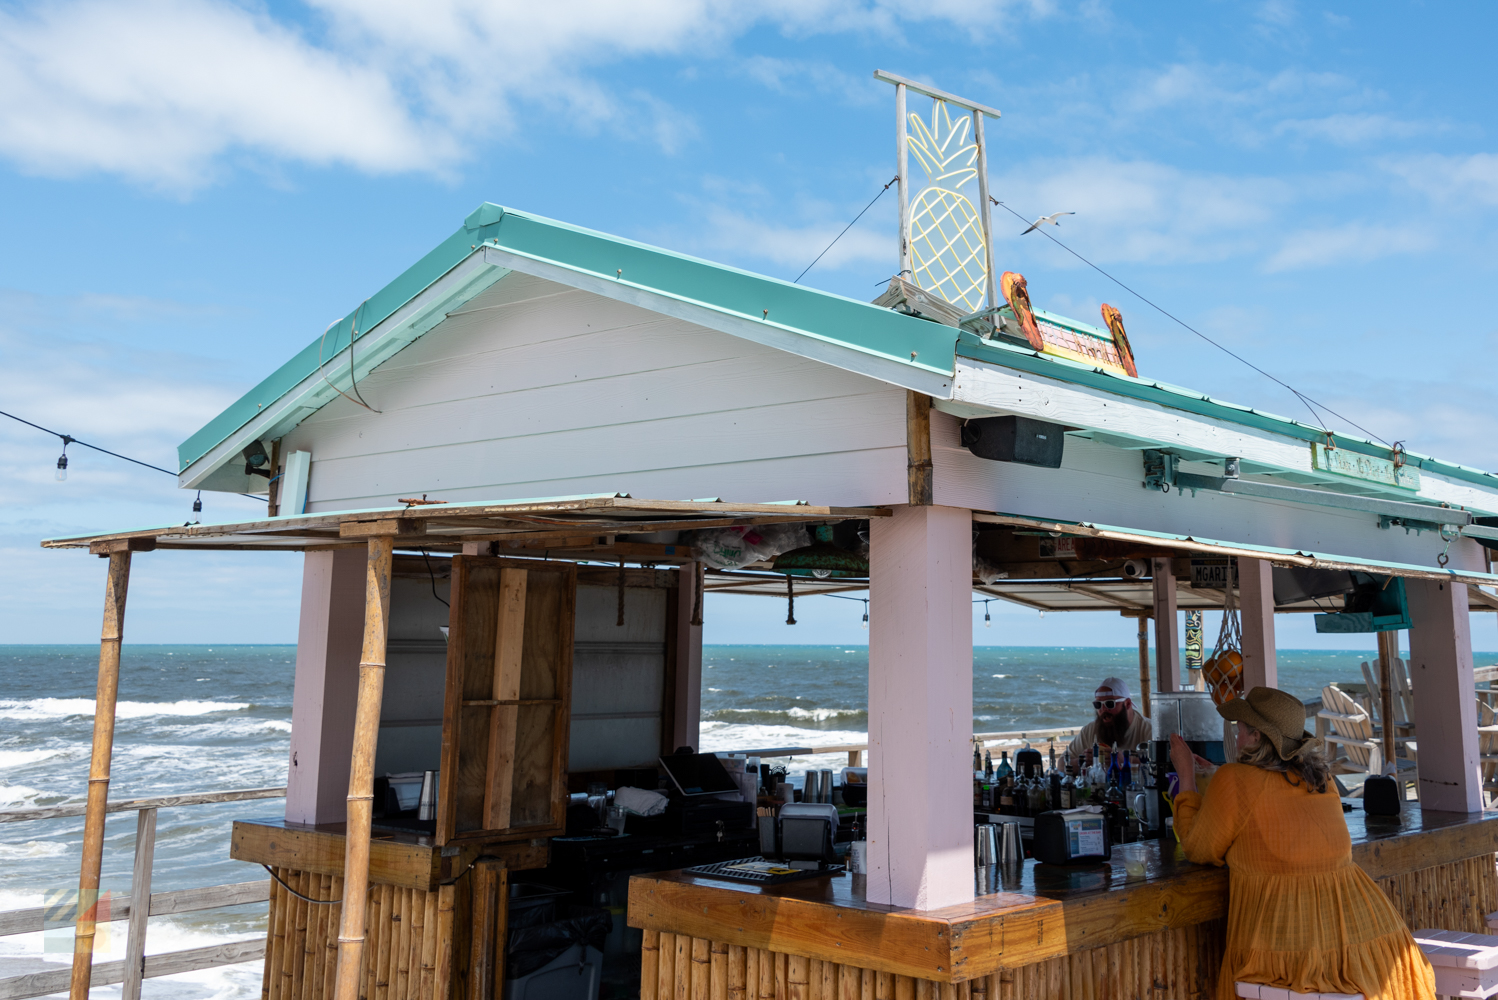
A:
(140, 904)
(1256, 593)
(1388, 652)
(1167, 638)
(361, 772)
(98, 768)
(918, 448)
(388, 527)
(503, 717)
(110, 546)
(1144, 665)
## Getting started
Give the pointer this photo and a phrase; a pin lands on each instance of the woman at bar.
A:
(1301, 915)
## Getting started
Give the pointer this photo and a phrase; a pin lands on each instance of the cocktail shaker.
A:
(426, 806)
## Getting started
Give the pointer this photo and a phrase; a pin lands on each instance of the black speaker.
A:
(1015, 439)
(1381, 796)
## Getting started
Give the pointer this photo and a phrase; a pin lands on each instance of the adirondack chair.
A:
(1403, 703)
(1487, 748)
(1348, 731)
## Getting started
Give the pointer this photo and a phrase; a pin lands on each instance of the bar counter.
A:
(1035, 931)
(432, 911)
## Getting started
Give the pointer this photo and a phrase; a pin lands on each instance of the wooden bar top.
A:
(1027, 915)
(399, 858)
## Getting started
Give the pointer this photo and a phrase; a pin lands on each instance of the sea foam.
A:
(36, 709)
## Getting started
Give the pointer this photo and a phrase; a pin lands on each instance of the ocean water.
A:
(205, 718)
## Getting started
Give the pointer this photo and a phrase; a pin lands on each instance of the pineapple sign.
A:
(945, 244)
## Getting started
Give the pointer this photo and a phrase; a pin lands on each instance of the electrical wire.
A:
(1307, 400)
(320, 902)
(68, 439)
(845, 230)
(432, 576)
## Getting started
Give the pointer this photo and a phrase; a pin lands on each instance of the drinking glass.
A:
(598, 800)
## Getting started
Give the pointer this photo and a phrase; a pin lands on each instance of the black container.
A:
(1015, 439)
(1381, 796)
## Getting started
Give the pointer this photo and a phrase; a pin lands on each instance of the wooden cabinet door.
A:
(508, 699)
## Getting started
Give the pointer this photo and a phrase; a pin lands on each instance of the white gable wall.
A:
(534, 389)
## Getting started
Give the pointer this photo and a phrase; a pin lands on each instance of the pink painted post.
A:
(1256, 591)
(687, 717)
(1445, 696)
(329, 639)
(920, 827)
(1167, 626)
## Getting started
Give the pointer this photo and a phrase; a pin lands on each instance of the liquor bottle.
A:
(1040, 796)
(1054, 791)
(1115, 808)
(987, 766)
(1135, 795)
(1006, 796)
(977, 758)
(1003, 770)
(1068, 789)
(1097, 781)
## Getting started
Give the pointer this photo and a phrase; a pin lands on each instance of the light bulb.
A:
(821, 574)
(62, 467)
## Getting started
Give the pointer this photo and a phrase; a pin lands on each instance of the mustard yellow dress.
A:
(1301, 915)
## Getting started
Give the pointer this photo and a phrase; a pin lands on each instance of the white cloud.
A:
(1460, 179)
(1138, 210)
(161, 91)
(1352, 129)
(1354, 242)
(156, 90)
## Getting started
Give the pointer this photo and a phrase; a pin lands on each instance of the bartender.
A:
(1117, 724)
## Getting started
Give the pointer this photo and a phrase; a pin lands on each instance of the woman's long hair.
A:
(1310, 765)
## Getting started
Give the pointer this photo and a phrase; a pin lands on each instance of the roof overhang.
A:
(555, 524)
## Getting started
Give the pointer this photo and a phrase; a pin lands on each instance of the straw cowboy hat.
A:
(1277, 714)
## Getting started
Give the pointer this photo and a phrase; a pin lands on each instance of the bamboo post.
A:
(98, 770)
(1144, 665)
(140, 904)
(1388, 652)
(361, 772)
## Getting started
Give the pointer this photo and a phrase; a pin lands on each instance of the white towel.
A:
(640, 801)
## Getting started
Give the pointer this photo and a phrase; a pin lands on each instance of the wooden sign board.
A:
(1368, 468)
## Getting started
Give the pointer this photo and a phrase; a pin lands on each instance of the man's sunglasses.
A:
(1109, 703)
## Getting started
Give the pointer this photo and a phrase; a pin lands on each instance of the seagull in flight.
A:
(1044, 219)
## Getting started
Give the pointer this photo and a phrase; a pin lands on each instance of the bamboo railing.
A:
(142, 904)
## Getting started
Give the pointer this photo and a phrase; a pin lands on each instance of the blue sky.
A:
(193, 189)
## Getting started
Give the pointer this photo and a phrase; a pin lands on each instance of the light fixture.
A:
(62, 461)
(865, 622)
(987, 621)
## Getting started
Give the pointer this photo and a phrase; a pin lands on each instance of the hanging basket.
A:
(1223, 671)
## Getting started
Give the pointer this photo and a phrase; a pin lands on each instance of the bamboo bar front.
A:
(1036, 932)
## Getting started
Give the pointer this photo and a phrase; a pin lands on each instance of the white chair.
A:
(1466, 965)
(1258, 992)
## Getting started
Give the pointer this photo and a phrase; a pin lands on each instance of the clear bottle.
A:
(1068, 789)
(987, 766)
(1134, 793)
(1040, 796)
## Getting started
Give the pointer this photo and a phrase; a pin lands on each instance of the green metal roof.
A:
(877, 333)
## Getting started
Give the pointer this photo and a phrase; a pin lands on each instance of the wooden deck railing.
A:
(142, 904)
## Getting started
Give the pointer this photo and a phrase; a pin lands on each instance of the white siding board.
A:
(1104, 485)
(980, 386)
(433, 420)
(535, 390)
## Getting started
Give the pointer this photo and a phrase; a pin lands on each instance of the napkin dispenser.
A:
(1072, 837)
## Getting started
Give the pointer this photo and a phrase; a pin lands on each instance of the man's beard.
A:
(1111, 729)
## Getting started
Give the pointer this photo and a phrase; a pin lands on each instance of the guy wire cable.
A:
(1307, 400)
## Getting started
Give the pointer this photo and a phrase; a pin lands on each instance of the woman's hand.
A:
(1185, 763)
